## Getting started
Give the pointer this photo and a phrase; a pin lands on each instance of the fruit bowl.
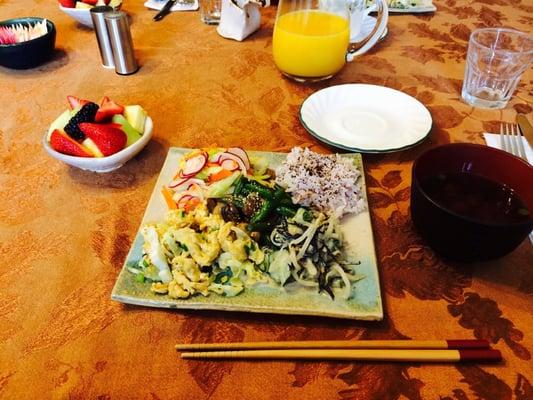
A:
(31, 53)
(104, 164)
(83, 15)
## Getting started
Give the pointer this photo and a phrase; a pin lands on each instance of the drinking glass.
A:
(495, 61)
(210, 11)
(311, 40)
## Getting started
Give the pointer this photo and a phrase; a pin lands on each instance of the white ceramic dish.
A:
(159, 4)
(413, 10)
(365, 303)
(82, 15)
(365, 118)
(104, 164)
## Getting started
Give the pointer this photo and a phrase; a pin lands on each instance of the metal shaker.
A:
(118, 29)
(104, 44)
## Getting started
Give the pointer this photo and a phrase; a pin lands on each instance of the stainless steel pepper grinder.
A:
(104, 44)
(118, 29)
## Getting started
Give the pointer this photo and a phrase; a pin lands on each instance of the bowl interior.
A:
(24, 21)
(480, 160)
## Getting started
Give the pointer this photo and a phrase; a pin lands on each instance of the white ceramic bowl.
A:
(104, 164)
(82, 15)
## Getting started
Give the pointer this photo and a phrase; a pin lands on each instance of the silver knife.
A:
(525, 128)
(165, 10)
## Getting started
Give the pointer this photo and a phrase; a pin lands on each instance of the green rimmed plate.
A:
(365, 303)
(366, 118)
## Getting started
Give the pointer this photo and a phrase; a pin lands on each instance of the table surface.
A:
(64, 233)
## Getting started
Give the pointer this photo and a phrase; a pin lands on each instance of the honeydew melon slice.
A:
(131, 133)
(79, 4)
(136, 116)
(59, 123)
(92, 147)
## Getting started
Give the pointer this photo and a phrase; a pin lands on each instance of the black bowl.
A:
(459, 237)
(28, 54)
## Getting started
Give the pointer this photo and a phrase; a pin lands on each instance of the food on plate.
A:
(22, 33)
(89, 3)
(405, 4)
(231, 226)
(197, 252)
(90, 130)
(328, 183)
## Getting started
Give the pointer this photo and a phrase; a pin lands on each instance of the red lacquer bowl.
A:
(460, 237)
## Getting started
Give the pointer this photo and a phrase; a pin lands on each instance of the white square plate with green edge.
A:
(364, 304)
(408, 6)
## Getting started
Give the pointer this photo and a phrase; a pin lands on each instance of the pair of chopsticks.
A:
(362, 350)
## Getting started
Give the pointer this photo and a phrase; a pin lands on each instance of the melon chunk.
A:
(92, 147)
(79, 4)
(59, 123)
(132, 134)
(136, 116)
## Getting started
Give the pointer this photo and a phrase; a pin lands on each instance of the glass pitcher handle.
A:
(358, 48)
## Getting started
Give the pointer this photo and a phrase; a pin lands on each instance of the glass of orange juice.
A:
(312, 37)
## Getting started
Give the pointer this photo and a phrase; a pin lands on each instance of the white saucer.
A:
(368, 24)
(365, 118)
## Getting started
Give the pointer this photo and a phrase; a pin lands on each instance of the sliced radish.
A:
(183, 200)
(195, 181)
(194, 165)
(233, 157)
(240, 153)
(178, 182)
(230, 165)
(216, 157)
(196, 191)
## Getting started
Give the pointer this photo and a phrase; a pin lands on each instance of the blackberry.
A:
(86, 114)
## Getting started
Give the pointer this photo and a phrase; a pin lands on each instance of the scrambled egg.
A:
(198, 252)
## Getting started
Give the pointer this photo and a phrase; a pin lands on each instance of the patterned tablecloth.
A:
(64, 233)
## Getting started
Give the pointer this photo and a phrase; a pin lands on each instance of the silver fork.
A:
(511, 140)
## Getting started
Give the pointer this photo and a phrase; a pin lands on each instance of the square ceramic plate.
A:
(365, 303)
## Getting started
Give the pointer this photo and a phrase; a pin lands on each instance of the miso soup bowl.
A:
(458, 237)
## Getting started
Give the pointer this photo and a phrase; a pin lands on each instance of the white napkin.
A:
(239, 22)
(493, 140)
(158, 5)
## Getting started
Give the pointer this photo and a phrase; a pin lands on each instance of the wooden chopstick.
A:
(342, 344)
(395, 355)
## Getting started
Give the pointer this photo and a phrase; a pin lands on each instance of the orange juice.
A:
(310, 43)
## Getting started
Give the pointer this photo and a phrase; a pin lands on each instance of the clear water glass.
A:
(210, 11)
(495, 61)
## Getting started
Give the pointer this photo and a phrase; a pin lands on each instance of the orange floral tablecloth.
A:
(64, 233)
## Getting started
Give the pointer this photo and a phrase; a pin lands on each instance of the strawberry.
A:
(107, 109)
(109, 138)
(68, 3)
(91, 2)
(62, 143)
(75, 102)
